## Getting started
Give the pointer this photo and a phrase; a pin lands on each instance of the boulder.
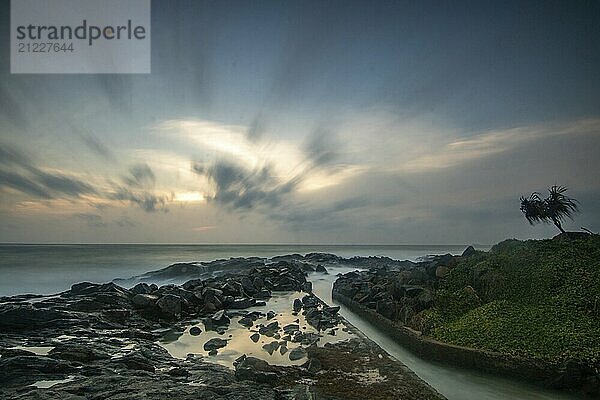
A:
(307, 287)
(254, 369)
(387, 308)
(248, 285)
(297, 353)
(469, 251)
(297, 305)
(314, 365)
(218, 319)
(258, 283)
(170, 304)
(321, 269)
(24, 316)
(246, 321)
(215, 344)
(331, 310)
(135, 361)
(195, 331)
(141, 288)
(76, 352)
(241, 303)
(269, 330)
(144, 300)
(290, 328)
(271, 347)
(46, 365)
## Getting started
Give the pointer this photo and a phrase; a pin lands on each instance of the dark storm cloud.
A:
(138, 189)
(64, 185)
(11, 110)
(20, 173)
(243, 189)
(23, 184)
(140, 175)
(322, 147)
(94, 144)
(10, 155)
(147, 201)
(45, 185)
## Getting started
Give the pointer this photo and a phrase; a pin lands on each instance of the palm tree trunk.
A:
(558, 225)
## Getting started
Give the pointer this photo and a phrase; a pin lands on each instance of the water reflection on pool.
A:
(238, 336)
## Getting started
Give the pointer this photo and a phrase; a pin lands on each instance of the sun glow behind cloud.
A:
(190, 197)
(286, 158)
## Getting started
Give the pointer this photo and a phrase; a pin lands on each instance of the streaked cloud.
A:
(494, 142)
(20, 173)
(96, 146)
(138, 188)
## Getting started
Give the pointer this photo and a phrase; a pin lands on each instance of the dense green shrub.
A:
(538, 298)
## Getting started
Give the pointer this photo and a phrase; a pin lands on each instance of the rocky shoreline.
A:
(397, 299)
(103, 341)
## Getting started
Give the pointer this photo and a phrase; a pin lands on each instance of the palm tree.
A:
(556, 207)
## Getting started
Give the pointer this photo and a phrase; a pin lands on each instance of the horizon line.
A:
(232, 244)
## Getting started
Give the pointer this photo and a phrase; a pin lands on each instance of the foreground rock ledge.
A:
(100, 342)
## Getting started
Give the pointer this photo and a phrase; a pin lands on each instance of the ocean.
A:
(48, 269)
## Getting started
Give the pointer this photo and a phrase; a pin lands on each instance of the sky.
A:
(329, 122)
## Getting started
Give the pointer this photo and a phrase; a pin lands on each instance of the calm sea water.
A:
(47, 269)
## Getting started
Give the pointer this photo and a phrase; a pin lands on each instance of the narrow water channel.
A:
(452, 382)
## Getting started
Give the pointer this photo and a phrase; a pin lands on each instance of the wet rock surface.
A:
(102, 340)
(399, 291)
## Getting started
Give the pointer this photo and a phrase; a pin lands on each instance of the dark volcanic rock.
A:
(141, 288)
(144, 300)
(25, 316)
(297, 305)
(469, 251)
(170, 304)
(271, 347)
(135, 361)
(238, 304)
(255, 369)
(104, 337)
(195, 331)
(214, 344)
(297, 354)
(321, 269)
(218, 319)
(76, 352)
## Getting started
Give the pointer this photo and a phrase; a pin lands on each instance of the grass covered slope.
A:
(535, 298)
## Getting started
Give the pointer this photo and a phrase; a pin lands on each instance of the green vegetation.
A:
(533, 298)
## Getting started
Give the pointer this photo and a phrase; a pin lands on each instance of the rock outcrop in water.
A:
(100, 341)
(397, 290)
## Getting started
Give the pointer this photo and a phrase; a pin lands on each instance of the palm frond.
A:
(560, 206)
(533, 208)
